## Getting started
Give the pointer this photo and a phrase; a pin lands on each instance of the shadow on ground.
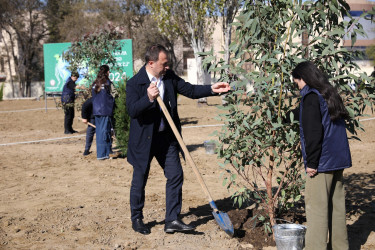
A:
(193, 147)
(189, 121)
(204, 212)
(360, 202)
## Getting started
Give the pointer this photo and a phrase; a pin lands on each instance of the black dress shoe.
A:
(68, 132)
(177, 226)
(139, 227)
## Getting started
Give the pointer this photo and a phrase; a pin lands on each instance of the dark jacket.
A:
(86, 112)
(103, 102)
(335, 152)
(146, 116)
(68, 95)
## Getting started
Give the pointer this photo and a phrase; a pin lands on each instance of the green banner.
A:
(56, 70)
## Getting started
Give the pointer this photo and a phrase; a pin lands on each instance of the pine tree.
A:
(122, 119)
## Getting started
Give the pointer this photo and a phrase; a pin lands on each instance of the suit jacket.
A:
(146, 116)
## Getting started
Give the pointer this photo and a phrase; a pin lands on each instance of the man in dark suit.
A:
(150, 135)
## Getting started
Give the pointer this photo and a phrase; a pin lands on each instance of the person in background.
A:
(67, 99)
(326, 154)
(150, 135)
(103, 104)
(88, 117)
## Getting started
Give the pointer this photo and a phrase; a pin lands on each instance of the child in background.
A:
(88, 117)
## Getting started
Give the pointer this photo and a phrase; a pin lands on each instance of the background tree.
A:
(93, 50)
(122, 119)
(6, 7)
(262, 159)
(228, 9)
(23, 21)
(131, 17)
(188, 19)
(79, 20)
(136, 22)
(55, 13)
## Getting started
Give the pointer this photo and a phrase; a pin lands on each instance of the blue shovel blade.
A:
(222, 219)
(224, 222)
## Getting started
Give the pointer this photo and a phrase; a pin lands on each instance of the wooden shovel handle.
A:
(92, 125)
(88, 123)
(184, 148)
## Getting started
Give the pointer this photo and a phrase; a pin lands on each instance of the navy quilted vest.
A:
(335, 153)
(102, 102)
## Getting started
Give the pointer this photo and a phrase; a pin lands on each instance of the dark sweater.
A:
(87, 109)
(312, 128)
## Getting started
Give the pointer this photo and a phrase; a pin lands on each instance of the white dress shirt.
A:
(160, 84)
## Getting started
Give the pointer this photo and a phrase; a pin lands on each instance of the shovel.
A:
(92, 125)
(221, 218)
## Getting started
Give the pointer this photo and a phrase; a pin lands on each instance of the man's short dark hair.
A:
(75, 73)
(152, 53)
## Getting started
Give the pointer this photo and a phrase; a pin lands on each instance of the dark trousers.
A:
(90, 132)
(68, 119)
(165, 149)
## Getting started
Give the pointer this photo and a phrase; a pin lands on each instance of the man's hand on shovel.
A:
(85, 121)
(152, 92)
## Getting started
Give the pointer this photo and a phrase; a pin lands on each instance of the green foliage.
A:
(370, 52)
(122, 119)
(93, 50)
(90, 53)
(1, 92)
(191, 19)
(187, 18)
(55, 12)
(75, 19)
(262, 159)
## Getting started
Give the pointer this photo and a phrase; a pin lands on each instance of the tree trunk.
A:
(28, 88)
(271, 201)
(9, 65)
(202, 79)
(227, 21)
(227, 40)
(227, 30)
(15, 59)
(270, 204)
(21, 89)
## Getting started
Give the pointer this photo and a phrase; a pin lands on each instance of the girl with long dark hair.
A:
(326, 154)
(103, 104)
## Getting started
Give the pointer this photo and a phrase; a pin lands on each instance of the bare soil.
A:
(53, 197)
